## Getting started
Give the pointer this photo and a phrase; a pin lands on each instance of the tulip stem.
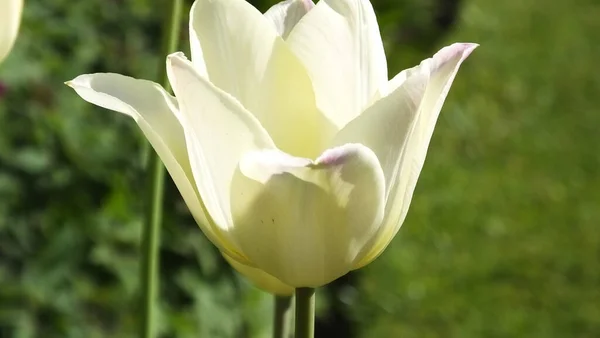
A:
(282, 315)
(305, 313)
(151, 230)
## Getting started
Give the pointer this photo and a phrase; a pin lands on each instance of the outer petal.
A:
(304, 222)
(155, 112)
(286, 14)
(398, 129)
(261, 279)
(218, 131)
(339, 43)
(244, 56)
(10, 18)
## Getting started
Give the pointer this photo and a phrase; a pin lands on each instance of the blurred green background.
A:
(502, 238)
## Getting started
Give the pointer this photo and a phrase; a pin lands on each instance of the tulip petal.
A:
(155, 112)
(234, 42)
(261, 279)
(398, 129)
(286, 14)
(10, 18)
(218, 130)
(304, 222)
(286, 106)
(269, 80)
(339, 43)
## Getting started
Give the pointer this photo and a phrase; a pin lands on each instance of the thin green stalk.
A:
(151, 231)
(305, 313)
(150, 248)
(282, 315)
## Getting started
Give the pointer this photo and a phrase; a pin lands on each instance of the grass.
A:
(502, 236)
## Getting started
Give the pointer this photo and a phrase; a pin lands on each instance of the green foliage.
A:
(501, 239)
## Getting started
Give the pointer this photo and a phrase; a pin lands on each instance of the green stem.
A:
(282, 316)
(305, 313)
(151, 231)
(150, 248)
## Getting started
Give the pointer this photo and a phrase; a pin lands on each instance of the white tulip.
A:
(293, 151)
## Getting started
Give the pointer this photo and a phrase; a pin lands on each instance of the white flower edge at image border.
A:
(10, 19)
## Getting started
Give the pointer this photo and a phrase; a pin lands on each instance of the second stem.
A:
(151, 231)
(305, 313)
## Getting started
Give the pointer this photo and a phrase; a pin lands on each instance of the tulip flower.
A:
(293, 151)
(10, 18)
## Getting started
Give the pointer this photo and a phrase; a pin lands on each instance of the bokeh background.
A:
(502, 239)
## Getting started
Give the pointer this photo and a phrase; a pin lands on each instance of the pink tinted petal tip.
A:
(307, 4)
(464, 48)
(337, 156)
